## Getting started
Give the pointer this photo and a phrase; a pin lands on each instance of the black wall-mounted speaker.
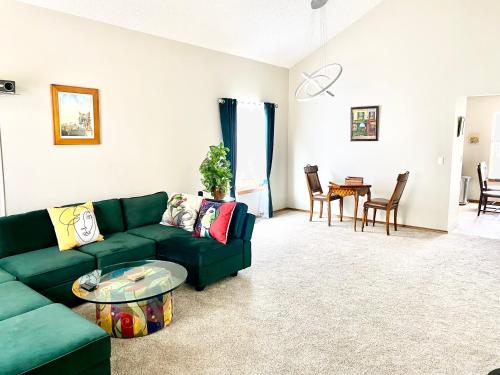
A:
(7, 86)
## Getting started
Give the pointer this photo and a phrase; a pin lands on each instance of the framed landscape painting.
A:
(364, 123)
(75, 112)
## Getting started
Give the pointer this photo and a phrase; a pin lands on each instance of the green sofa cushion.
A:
(5, 276)
(159, 232)
(197, 252)
(102, 368)
(45, 268)
(51, 340)
(209, 274)
(238, 220)
(16, 298)
(248, 228)
(176, 244)
(25, 232)
(119, 248)
(62, 293)
(109, 216)
(145, 210)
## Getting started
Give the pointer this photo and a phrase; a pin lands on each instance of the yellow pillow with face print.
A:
(75, 225)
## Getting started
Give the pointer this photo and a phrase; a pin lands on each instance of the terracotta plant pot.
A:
(218, 194)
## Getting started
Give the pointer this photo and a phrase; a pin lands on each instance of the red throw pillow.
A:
(214, 219)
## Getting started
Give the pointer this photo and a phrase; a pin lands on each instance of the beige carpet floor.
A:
(321, 300)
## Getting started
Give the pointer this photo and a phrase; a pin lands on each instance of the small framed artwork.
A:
(474, 138)
(461, 125)
(364, 123)
(75, 112)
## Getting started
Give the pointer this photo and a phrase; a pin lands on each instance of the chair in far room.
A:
(485, 190)
(386, 204)
(316, 194)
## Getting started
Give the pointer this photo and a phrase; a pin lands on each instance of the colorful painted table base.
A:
(132, 299)
(135, 319)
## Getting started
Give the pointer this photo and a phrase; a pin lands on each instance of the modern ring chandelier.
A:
(319, 82)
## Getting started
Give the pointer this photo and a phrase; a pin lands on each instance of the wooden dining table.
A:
(354, 190)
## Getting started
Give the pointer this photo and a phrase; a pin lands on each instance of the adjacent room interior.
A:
(481, 143)
(250, 187)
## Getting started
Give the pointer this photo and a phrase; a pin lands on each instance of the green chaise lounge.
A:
(40, 337)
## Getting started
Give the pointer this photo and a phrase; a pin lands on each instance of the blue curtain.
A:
(227, 110)
(269, 109)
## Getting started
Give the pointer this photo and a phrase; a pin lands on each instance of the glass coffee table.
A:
(126, 308)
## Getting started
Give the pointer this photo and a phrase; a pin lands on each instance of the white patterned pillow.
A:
(182, 211)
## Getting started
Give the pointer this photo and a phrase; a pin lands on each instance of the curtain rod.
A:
(222, 101)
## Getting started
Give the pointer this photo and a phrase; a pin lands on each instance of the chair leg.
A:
(329, 209)
(341, 204)
(396, 219)
(374, 216)
(320, 209)
(387, 217)
(311, 210)
(479, 205)
(365, 213)
(485, 201)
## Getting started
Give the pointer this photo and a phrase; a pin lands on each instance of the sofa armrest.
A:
(248, 228)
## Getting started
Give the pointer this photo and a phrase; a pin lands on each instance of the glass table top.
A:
(115, 284)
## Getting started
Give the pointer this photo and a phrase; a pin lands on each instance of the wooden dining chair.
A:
(386, 204)
(485, 190)
(316, 194)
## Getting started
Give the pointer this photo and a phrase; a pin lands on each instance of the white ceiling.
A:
(278, 32)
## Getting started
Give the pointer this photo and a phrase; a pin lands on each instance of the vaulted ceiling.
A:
(278, 32)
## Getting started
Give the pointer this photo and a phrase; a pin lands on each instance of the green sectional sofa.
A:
(43, 337)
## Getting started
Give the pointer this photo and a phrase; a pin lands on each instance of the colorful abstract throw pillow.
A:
(182, 211)
(75, 225)
(214, 220)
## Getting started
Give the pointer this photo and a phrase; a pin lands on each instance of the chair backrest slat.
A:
(313, 183)
(400, 187)
(482, 174)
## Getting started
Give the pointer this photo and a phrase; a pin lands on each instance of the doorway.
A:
(481, 143)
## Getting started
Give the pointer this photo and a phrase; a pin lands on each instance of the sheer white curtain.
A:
(251, 178)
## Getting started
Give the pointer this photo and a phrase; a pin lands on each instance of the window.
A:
(494, 165)
(251, 183)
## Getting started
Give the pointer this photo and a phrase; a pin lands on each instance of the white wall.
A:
(456, 164)
(414, 58)
(158, 101)
(2, 192)
(479, 120)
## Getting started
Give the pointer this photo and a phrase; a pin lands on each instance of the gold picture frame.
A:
(75, 112)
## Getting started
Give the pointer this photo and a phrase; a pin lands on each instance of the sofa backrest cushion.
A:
(109, 216)
(25, 232)
(238, 220)
(145, 210)
(248, 227)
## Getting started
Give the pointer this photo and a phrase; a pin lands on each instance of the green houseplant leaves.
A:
(216, 171)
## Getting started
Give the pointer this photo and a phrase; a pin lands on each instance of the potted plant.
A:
(216, 171)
